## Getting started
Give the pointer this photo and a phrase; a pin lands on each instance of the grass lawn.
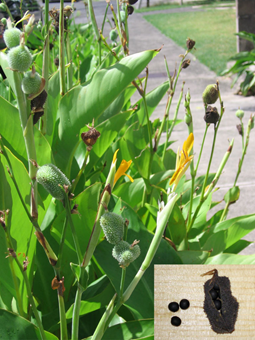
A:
(213, 31)
(173, 5)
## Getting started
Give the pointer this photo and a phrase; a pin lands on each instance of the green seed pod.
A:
(4, 21)
(113, 35)
(232, 195)
(12, 37)
(239, 113)
(2, 7)
(122, 16)
(210, 94)
(31, 82)
(19, 58)
(50, 177)
(125, 253)
(113, 227)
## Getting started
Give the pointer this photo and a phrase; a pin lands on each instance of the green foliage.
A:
(243, 62)
(58, 238)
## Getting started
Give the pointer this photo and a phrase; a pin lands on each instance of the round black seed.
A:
(184, 304)
(216, 286)
(176, 321)
(173, 306)
(214, 294)
(217, 304)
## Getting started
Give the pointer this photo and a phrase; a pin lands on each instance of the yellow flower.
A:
(183, 161)
(124, 166)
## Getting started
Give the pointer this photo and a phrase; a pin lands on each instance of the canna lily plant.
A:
(89, 240)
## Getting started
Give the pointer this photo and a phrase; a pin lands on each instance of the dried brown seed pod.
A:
(190, 43)
(211, 115)
(90, 137)
(185, 63)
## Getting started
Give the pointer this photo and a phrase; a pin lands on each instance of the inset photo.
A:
(204, 302)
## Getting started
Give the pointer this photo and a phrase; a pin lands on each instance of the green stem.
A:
(224, 213)
(61, 244)
(69, 60)
(169, 131)
(62, 317)
(202, 147)
(105, 14)
(248, 130)
(76, 311)
(45, 70)
(75, 238)
(8, 11)
(61, 49)
(76, 181)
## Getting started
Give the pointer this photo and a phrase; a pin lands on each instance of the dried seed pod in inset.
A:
(222, 313)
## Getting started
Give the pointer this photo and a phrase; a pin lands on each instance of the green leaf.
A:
(81, 105)
(237, 247)
(52, 102)
(6, 69)
(140, 329)
(15, 327)
(10, 129)
(176, 226)
(144, 290)
(95, 302)
(193, 256)
(231, 259)
(131, 192)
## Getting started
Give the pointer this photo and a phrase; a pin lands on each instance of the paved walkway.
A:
(197, 76)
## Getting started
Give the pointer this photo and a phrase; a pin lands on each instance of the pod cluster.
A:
(113, 227)
(20, 59)
(174, 307)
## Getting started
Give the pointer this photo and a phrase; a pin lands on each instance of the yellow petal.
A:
(124, 166)
(115, 156)
(130, 178)
(188, 144)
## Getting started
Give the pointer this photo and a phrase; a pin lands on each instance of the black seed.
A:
(176, 321)
(216, 286)
(173, 306)
(214, 294)
(184, 304)
(217, 304)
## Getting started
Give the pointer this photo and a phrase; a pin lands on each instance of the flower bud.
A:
(211, 115)
(12, 37)
(232, 195)
(50, 177)
(125, 253)
(113, 227)
(210, 94)
(2, 7)
(239, 114)
(4, 21)
(122, 16)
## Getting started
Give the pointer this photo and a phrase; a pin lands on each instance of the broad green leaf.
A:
(81, 105)
(52, 102)
(15, 327)
(21, 229)
(231, 259)
(131, 193)
(94, 303)
(144, 290)
(237, 247)
(193, 256)
(176, 226)
(152, 100)
(11, 131)
(6, 69)
(140, 329)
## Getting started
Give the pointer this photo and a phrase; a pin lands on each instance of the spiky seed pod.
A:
(31, 82)
(50, 177)
(12, 37)
(113, 227)
(239, 114)
(211, 115)
(125, 253)
(210, 94)
(19, 58)
(122, 16)
(113, 35)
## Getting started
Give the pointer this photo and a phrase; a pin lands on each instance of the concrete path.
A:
(144, 36)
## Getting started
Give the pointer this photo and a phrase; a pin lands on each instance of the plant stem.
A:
(76, 311)
(105, 14)
(95, 28)
(75, 238)
(45, 70)
(69, 60)
(62, 317)
(61, 49)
